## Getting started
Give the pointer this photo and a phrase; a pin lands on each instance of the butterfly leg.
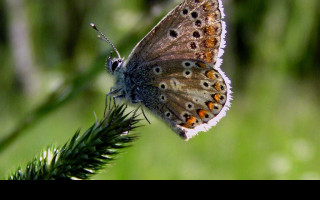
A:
(108, 95)
(136, 101)
(140, 101)
(121, 96)
(113, 91)
(145, 115)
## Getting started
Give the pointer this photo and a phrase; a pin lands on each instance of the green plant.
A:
(84, 155)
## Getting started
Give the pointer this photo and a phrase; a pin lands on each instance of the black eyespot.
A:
(173, 33)
(186, 116)
(222, 87)
(187, 64)
(196, 34)
(157, 70)
(198, 23)
(206, 84)
(194, 15)
(193, 45)
(189, 106)
(163, 86)
(188, 73)
(185, 11)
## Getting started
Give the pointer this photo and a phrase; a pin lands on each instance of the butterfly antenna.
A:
(104, 38)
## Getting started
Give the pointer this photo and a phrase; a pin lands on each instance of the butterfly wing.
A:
(175, 70)
(190, 95)
(193, 30)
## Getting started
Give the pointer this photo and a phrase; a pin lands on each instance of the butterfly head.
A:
(114, 64)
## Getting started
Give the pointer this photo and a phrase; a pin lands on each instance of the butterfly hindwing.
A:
(190, 95)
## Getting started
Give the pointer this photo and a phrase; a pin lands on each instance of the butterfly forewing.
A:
(193, 30)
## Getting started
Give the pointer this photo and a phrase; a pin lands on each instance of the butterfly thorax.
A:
(127, 84)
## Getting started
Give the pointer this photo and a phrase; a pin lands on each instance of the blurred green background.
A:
(52, 80)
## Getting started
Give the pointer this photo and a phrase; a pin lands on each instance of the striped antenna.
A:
(104, 38)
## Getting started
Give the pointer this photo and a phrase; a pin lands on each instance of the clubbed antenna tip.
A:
(104, 38)
(92, 25)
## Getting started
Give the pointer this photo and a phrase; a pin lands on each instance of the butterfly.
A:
(174, 71)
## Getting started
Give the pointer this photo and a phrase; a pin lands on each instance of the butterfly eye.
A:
(114, 66)
(115, 63)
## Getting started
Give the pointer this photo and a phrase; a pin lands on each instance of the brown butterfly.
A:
(175, 72)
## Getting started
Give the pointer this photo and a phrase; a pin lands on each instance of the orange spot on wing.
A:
(210, 42)
(191, 120)
(210, 106)
(209, 30)
(211, 75)
(202, 114)
(213, 30)
(202, 65)
(208, 56)
(217, 87)
(207, 6)
(185, 125)
(212, 17)
(217, 97)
